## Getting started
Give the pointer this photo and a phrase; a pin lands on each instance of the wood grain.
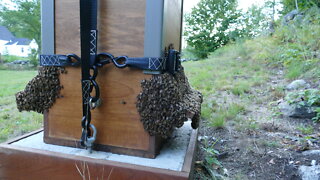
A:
(24, 163)
(121, 32)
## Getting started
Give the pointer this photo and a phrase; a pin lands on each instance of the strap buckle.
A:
(173, 61)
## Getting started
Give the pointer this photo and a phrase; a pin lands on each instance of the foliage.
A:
(294, 46)
(306, 129)
(211, 162)
(23, 20)
(11, 58)
(306, 98)
(289, 5)
(33, 56)
(309, 97)
(272, 8)
(317, 117)
(253, 22)
(209, 25)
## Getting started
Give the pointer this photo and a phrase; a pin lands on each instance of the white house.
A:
(5, 37)
(20, 47)
(15, 46)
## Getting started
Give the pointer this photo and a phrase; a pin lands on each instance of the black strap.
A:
(144, 63)
(170, 63)
(59, 60)
(88, 32)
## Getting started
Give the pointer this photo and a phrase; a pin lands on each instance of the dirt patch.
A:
(269, 148)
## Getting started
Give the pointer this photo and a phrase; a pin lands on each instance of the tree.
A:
(272, 8)
(209, 24)
(23, 20)
(253, 22)
(289, 5)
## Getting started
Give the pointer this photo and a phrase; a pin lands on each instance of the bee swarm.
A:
(166, 102)
(42, 91)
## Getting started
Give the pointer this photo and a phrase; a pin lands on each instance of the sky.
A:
(188, 4)
(243, 4)
(6, 2)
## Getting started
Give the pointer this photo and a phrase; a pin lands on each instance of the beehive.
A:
(135, 28)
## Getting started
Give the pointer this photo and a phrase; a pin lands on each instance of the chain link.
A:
(88, 130)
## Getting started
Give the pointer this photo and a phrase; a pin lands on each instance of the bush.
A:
(11, 58)
(306, 98)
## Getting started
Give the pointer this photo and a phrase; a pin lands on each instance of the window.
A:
(22, 50)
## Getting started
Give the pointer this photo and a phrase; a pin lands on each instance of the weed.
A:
(210, 160)
(234, 109)
(222, 114)
(294, 70)
(240, 176)
(306, 130)
(317, 117)
(240, 88)
(306, 98)
(217, 120)
(247, 124)
(270, 144)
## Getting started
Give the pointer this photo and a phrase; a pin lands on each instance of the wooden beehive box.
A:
(135, 28)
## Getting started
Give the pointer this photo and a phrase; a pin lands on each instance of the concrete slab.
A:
(171, 156)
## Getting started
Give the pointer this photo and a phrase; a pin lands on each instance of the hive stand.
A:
(20, 162)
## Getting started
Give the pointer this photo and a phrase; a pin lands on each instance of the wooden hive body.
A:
(135, 28)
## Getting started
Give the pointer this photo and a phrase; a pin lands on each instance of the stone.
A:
(297, 84)
(296, 112)
(309, 172)
(290, 16)
(311, 152)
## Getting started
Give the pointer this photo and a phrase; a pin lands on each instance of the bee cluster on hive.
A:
(42, 91)
(167, 101)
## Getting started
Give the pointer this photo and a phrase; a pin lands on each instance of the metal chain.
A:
(89, 131)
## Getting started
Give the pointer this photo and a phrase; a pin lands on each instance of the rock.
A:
(311, 152)
(297, 84)
(296, 112)
(309, 172)
(290, 16)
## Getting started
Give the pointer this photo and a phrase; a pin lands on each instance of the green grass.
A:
(270, 144)
(230, 69)
(12, 122)
(306, 130)
(225, 71)
(218, 116)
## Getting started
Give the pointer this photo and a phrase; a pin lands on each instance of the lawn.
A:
(226, 73)
(12, 122)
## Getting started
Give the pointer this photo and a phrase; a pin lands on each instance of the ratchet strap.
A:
(90, 61)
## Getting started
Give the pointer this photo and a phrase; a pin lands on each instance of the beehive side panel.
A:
(121, 32)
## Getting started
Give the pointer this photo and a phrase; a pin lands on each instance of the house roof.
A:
(19, 41)
(5, 34)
